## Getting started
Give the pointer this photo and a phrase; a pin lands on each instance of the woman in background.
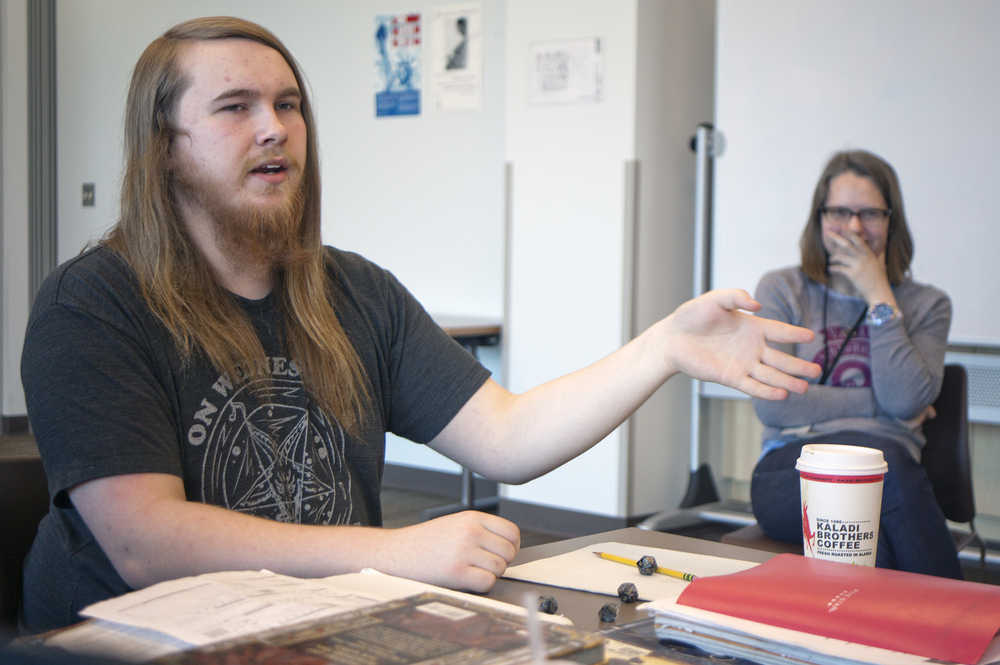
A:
(880, 339)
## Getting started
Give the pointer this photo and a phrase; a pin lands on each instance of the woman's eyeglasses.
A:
(842, 215)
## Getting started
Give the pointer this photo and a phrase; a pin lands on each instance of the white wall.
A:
(674, 70)
(592, 261)
(421, 196)
(14, 197)
(568, 200)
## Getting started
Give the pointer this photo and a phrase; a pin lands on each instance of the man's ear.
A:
(169, 136)
(168, 161)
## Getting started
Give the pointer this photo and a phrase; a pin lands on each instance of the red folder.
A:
(935, 617)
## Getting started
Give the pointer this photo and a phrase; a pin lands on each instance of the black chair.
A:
(945, 458)
(24, 501)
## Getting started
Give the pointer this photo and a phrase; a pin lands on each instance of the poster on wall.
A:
(457, 57)
(397, 64)
(566, 71)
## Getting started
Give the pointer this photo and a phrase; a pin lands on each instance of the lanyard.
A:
(827, 370)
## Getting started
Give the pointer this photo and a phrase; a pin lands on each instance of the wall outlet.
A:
(88, 194)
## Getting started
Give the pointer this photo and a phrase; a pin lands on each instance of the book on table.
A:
(429, 627)
(830, 612)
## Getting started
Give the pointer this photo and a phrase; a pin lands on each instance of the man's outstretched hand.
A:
(712, 340)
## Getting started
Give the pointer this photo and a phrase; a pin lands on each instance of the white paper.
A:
(683, 622)
(583, 570)
(456, 51)
(219, 606)
(566, 71)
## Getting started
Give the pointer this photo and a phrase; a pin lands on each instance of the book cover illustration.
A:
(428, 628)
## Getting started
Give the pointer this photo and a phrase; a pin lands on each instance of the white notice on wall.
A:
(566, 71)
(456, 47)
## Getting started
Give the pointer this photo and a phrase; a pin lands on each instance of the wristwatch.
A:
(881, 313)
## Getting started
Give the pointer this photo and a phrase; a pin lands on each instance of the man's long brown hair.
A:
(175, 279)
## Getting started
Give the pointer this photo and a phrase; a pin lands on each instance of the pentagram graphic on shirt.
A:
(272, 452)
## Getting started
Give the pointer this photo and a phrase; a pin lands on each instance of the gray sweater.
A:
(885, 376)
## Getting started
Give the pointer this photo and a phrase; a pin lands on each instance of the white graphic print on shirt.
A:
(853, 368)
(270, 451)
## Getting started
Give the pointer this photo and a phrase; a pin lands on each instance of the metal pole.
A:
(702, 227)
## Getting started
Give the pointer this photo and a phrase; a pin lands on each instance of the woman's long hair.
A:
(899, 245)
(177, 282)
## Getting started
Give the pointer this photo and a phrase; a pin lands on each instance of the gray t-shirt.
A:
(107, 394)
(886, 374)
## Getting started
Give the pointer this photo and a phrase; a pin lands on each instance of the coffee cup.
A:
(841, 488)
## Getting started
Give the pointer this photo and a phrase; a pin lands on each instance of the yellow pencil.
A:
(687, 577)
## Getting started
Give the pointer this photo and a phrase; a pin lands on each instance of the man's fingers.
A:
(774, 377)
(755, 388)
(477, 579)
(488, 561)
(498, 546)
(735, 299)
(507, 536)
(785, 333)
(789, 364)
(499, 542)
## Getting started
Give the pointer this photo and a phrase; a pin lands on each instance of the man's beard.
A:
(249, 235)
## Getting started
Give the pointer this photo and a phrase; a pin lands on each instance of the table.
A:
(471, 332)
(581, 606)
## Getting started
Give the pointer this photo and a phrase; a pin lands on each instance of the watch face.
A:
(880, 313)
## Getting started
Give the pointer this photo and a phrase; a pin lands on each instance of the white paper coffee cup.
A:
(841, 489)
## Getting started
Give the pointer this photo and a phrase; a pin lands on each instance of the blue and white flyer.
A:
(398, 75)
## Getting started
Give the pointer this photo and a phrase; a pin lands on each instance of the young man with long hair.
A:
(210, 387)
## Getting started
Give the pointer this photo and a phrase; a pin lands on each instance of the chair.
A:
(945, 458)
(24, 500)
